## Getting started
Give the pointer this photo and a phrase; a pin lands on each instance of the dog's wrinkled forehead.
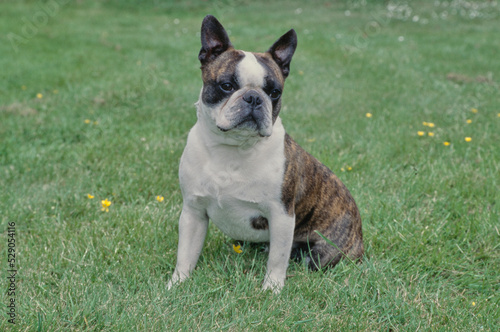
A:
(244, 68)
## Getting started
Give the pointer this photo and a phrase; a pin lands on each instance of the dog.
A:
(242, 171)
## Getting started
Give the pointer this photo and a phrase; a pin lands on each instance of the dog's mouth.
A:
(247, 120)
(247, 124)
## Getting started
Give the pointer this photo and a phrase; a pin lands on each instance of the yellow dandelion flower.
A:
(311, 140)
(498, 115)
(160, 198)
(105, 205)
(446, 143)
(301, 72)
(473, 303)
(469, 121)
(39, 95)
(369, 115)
(420, 133)
(349, 168)
(431, 125)
(87, 121)
(474, 110)
(96, 123)
(431, 134)
(342, 169)
(425, 123)
(237, 249)
(468, 139)
(89, 196)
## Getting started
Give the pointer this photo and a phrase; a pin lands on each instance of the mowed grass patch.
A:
(96, 98)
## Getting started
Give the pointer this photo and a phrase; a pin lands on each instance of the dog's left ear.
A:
(214, 40)
(283, 49)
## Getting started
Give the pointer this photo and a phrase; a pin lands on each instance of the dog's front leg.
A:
(193, 227)
(281, 228)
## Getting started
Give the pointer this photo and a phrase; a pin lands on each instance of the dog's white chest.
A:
(234, 186)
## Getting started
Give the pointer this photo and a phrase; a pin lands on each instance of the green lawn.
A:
(96, 98)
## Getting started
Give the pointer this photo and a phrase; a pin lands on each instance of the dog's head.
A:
(241, 92)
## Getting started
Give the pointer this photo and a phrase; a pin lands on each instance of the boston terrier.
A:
(242, 171)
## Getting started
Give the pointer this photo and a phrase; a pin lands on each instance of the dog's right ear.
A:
(214, 40)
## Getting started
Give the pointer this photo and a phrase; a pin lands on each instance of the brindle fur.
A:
(320, 201)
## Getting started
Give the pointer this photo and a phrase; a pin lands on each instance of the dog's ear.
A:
(214, 40)
(283, 49)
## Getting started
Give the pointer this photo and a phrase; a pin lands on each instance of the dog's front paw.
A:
(274, 285)
(177, 278)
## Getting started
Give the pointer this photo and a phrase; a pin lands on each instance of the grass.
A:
(116, 84)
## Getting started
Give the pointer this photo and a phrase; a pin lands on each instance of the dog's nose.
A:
(252, 97)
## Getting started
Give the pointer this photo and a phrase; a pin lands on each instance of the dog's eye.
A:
(275, 94)
(227, 87)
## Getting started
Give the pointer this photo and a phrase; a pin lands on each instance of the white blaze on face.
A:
(250, 71)
(250, 74)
